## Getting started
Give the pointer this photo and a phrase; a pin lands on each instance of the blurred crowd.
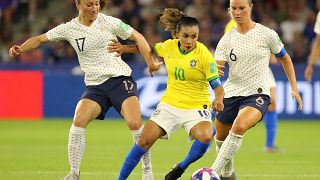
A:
(292, 19)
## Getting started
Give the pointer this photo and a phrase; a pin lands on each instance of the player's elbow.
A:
(136, 36)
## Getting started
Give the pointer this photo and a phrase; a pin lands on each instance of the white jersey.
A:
(272, 80)
(317, 25)
(91, 43)
(248, 57)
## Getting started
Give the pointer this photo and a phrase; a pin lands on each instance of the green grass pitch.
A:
(38, 151)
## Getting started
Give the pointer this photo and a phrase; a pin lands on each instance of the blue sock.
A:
(196, 152)
(131, 161)
(270, 121)
(214, 132)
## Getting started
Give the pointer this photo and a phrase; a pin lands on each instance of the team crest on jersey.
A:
(193, 63)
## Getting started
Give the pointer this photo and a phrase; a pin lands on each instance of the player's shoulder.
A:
(107, 19)
(104, 16)
(264, 29)
(265, 32)
(201, 47)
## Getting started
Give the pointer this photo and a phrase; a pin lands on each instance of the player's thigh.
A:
(225, 119)
(86, 111)
(130, 111)
(247, 118)
(197, 123)
(122, 93)
(167, 117)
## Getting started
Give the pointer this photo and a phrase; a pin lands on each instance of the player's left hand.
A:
(295, 95)
(115, 46)
(220, 70)
(217, 105)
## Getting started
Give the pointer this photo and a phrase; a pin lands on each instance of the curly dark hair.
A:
(172, 19)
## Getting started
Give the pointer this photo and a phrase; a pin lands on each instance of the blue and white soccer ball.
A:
(205, 174)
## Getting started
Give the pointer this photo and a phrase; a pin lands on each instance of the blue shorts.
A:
(112, 92)
(234, 104)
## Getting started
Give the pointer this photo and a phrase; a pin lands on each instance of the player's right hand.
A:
(14, 51)
(217, 105)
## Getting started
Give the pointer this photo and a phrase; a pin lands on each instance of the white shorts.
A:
(171, 118)
(272, 80)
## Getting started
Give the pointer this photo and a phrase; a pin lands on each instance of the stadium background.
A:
(43, 86)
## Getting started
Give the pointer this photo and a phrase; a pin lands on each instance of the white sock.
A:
(229, 147)
(228, 169)
(137, 133)
(76, 147)
(146, 158)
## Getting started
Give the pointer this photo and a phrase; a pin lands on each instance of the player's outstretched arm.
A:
(289, 70)
(30, 44)
(145, 50)
(314, 55)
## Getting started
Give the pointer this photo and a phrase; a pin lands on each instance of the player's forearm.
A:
(289, 70)
(219, 93)
(315, 52)
(30, 44)
(130, 49)
(33, 42)
(144, 49)
(146, 52)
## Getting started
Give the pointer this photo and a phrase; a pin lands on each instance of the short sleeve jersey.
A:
(188, 74)
(248, 57)
(317, 25)
(90, 44)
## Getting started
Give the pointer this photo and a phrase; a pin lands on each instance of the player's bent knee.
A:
(79, 122)
(145, 143)
(205, 137)
(239, 129)
(134, 124)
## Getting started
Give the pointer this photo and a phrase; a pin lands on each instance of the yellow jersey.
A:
(232, 23)
(188, 74)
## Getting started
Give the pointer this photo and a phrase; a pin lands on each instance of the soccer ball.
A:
(205, 174)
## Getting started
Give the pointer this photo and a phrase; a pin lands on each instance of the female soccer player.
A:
(271, 117)
(191, 68)
(247, 50)
(107, 77)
